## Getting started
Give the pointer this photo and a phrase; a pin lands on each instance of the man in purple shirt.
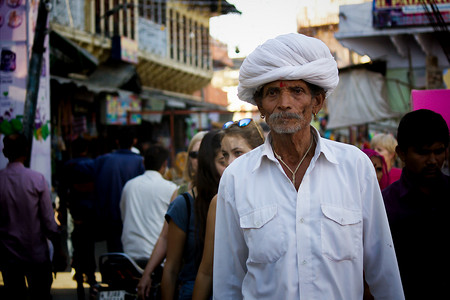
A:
(418, 204)
(26, 224)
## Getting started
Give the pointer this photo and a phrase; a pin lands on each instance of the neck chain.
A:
(299, 164)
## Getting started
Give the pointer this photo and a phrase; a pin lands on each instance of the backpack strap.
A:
(188, 207)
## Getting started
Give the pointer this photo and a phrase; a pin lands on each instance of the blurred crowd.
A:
(285, 214)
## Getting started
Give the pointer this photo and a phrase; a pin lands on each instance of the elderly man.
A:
(300, 217)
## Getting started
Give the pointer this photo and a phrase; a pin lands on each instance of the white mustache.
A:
(284, 115)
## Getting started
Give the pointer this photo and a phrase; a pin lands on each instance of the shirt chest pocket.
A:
(264, 234)
(341, 232)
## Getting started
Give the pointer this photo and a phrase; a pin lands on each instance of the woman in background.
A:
(153, 272)
(186, 217)
(380, 167)
(385, 145)
(239, 138)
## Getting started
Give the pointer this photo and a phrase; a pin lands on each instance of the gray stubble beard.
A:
(276, 123)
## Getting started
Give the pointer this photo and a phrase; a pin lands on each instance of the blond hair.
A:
(384, 140)
(188, 174)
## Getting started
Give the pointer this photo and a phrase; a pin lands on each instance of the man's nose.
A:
(432, 159)
(285, 100)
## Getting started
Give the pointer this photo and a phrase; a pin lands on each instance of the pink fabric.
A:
(435, 100)
(385, 179)
(394, 175)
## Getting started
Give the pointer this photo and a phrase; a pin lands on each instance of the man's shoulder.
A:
(343, 154)
(159, 180)
(340, 146)
(394, 191)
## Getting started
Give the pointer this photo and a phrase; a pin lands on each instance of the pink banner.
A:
(435, 100)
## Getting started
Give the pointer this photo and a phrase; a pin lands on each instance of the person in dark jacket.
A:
(417, 205)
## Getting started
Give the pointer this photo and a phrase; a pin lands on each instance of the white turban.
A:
(288, 57)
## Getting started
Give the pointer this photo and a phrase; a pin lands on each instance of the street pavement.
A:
(64, 287)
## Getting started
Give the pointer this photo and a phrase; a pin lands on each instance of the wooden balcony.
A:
(173, 37)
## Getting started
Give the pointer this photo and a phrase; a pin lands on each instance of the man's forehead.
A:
(428, 147)
(285, 83)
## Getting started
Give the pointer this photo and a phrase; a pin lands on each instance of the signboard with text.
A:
(402, 13)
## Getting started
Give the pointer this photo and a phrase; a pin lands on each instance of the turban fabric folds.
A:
(288, 57)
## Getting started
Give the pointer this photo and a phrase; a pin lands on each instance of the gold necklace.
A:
(299, 164)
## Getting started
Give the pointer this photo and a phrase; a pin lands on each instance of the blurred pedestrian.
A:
(385, 145)
(380, 167)
(149, 285)
(175, 173)
(145, 200)
(300, 217)
(238, 138)
(27, 222)
(417, 205)
(112, 171)
(187, 221)
(77, 189)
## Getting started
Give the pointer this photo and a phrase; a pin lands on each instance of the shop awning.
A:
(171, 99)
(176, 100)
(116, 74)
(358, 99)
(67, 55)
(399, 47)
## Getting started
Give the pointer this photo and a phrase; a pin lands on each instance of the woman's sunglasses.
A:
(240, 123)
(243, 123)
(193, 154)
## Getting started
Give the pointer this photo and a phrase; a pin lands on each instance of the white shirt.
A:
(272, 242)
(143, 205)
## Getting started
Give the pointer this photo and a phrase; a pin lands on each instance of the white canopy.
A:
(358, 99)
(399, 47)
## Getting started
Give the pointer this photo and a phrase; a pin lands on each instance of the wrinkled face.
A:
(378, 165)
(288, 105)
(425, 162)
(220, 163)
(234, 146)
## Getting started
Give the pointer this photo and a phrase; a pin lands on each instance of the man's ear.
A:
(318, 102)
(401, 154)
(259, 105)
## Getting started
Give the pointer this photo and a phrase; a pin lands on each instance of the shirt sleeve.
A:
(230, 249)
(380, 262)
(177, 213)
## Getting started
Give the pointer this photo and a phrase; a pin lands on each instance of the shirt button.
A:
(302, 220)
(304, 262)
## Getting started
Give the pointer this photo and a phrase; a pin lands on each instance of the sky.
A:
(260, 21)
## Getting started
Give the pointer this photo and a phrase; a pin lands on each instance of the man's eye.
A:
(271, 92)
(439, 151)
(238, 153)
(297, 90)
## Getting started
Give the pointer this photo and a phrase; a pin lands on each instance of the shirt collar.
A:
(15, 165)
(321, 147)
(152, 173)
